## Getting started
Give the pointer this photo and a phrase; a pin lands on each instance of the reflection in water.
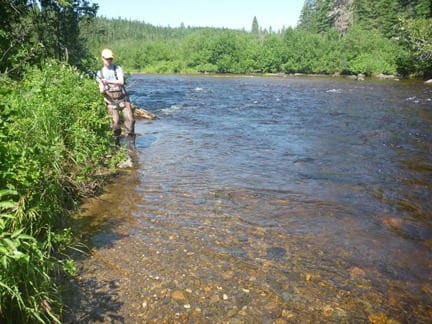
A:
(264, 200)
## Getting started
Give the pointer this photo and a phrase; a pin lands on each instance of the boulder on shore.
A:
(141, 113)
(429, 82)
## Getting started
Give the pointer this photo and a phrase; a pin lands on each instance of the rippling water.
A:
(267, 199)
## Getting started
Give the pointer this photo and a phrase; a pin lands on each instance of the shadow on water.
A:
(93, 296)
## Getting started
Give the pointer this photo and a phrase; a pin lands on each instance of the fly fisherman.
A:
(116, 98)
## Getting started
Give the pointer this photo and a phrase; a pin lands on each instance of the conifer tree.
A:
(255, 26)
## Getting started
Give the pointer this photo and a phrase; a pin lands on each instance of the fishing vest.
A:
(114, 92)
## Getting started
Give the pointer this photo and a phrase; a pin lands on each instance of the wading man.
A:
(116, 98)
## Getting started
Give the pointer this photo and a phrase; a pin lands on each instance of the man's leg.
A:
(129, 122)
(115, 122)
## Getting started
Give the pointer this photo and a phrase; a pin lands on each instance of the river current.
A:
(266, 200)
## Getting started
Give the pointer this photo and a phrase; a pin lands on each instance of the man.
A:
(116, 98)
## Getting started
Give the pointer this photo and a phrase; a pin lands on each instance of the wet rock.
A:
(227, 275)
(126, 164)
(392, 222)
(178, 296)
(327, 311)
(287, 314)
(287, 296)
(385, 76)
(274, 309)
(141, 113)
(214, 299)
(243, 311)
(357, 273)
(379, 318)
(276, 252)
(339, 312)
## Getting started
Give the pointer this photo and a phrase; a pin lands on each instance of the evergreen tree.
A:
(315, 16)
(255, 26)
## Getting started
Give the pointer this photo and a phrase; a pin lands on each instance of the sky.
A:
(232, 14)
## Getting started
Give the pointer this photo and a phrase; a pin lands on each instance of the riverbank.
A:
(58, 151)
(358, 77)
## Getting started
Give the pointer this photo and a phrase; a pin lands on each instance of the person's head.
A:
(107, 56)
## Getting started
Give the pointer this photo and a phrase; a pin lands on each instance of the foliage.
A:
(369, 53)
(313, 47)
(54, 133)
(32, 31)
(416, 35)
(57, 138)
(314, 16)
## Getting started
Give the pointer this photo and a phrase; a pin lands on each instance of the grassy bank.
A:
(55, 139)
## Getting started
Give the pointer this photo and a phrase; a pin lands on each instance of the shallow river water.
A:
(266, 200)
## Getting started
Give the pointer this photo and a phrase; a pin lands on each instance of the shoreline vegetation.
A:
(358, 77)
(56, 150)
(56, 146)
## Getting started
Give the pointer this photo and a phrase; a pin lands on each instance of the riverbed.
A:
(265, 200)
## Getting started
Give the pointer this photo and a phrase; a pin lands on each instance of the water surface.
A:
(267, 199)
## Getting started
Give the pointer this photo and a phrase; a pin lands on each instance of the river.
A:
(265, 200)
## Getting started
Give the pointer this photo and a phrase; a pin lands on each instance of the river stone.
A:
(276, 252)
(126, 164)
(178, 295)
(357, 273)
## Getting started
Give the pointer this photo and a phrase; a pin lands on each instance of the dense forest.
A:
(332, 37)
(55, 136)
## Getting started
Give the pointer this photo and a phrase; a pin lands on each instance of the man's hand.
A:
(102, 87)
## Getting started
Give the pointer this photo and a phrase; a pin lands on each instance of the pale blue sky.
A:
(233, 14)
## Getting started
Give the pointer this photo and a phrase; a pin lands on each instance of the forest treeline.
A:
(54, 131)
(332, 36)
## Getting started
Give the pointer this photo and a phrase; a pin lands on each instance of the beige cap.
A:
(107, 53)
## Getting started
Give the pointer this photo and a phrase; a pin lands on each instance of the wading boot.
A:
(131, 143)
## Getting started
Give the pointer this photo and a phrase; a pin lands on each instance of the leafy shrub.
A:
(369, 52)
(370, 64)
(58, 136)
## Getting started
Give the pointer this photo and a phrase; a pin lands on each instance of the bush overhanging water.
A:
(55, 138)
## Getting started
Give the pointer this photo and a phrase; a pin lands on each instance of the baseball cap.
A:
(107, 53)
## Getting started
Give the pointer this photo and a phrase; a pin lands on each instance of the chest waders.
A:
(116, 99)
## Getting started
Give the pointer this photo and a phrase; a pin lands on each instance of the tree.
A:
(255, 26)
(17, 44)
(57, 24)
(416, 35)
(314, 16)
(33, 30)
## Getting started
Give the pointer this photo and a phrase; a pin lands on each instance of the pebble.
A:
(126, 164)
(214, 299)
(357, 273)
(178, 295)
